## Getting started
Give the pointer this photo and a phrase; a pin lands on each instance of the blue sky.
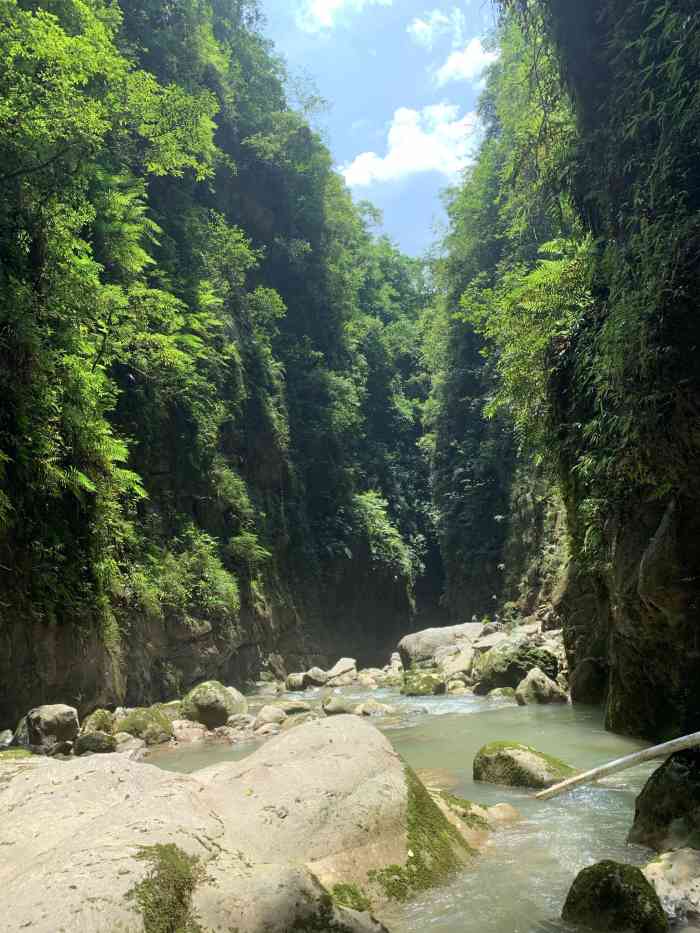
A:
(402, 78)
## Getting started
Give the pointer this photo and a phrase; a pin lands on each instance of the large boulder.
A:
(342, 674)
(612, 896)
(667, 811)
(95, 743)
(420, 647)
(148, 723)
(518, 765)
(315, 677)
(101, 720)
(48, 729)
(211, 704)
(509, 662)
(269, 715)
(455, 662)
(538, 688)
(675, 877)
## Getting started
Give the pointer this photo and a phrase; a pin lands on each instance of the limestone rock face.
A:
(538, 688)
(667, 811)
(675, 877)
(47, 729)
(612, 896)
(211, 704)
(420, 647)
(518, 766)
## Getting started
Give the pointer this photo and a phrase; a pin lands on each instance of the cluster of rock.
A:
(344, 673)
(106, 843)
(527, 665)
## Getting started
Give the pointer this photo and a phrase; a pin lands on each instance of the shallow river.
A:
(519, 884)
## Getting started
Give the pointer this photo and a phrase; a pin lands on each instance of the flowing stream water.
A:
(519, 884)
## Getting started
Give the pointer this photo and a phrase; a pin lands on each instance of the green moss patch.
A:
(613, 896)
(464, 809)
(421, 684)
(436, 848)
(99, 721)
(349, 895)
(499, 763)
(164, 897)
(149, 724)
(12, 754)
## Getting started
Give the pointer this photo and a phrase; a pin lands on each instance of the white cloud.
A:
(434, 139)
(436, 24)
(465, 65)
(319, 15)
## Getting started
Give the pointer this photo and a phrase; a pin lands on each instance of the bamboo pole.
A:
(622, 764)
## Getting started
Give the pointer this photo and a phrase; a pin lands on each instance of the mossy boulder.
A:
(538, 688)
(211, 703)
(147, 723)
(509, 662)
(613, 896)
(667, 811)
(101, 720)
(422, 684)
(49, 729)
(518, 765)
(95, 743)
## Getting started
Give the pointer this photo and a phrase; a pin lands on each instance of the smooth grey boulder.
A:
(420, 647)
(211, 704)
(314, 677)
(342, 674)
(48, 729)
(538, 688)
(6, 738)
(244, 845)
(269, 715)
(455, 662)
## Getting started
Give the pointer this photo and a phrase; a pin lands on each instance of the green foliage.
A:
(164, 897)
(387, 547)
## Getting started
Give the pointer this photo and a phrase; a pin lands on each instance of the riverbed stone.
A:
(502, 693)
(100, 720)
(509, 662)
(211, 703)
(269, 714)
(315, 677)
(372, 707)
(538, 688)
(420, 647)
(613, 896)
(148, 723)
(48, 729)
(675, 877)
(95, 743)
(338, 706)
(343, 673)
(418, 683)
(295, 682)
(667, 811)
(199, 848)
(293, 707)
(185, 731)
(518, 765)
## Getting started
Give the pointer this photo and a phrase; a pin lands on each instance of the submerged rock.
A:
(667, 811)
(538, 688)
(518, 765)
(612, 896)
(211, 704)
(675, 877)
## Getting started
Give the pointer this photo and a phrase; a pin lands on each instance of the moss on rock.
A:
(518, 765)
(421, 684)
(465, 810)
(164, 897)
(12, 754)
(613, 896)
(211, 703)
(350, 895)
(101, 720)
(147, 723)
(436, 848)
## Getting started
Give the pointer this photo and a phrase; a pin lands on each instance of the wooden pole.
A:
(622, 764)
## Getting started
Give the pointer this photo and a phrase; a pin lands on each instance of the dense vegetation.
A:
(571, 270)
(211, 389)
